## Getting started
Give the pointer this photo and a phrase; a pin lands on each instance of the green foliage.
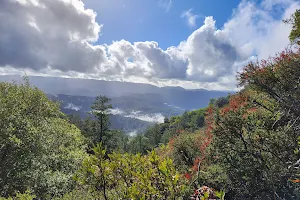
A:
(139, 144)
(219, 102)
(256, 134)
(213, 175)
(96, 129)
(166, 120)
(128, 176)
(253, 152)
(159, 134)
(184, 151)
(39, 149)
(27, 195)
(190, 120)
(220, 194)
(114, 140)
(278, 80)
(222, 101)
(295, 22)
(154, 134)
(100, 111)
(127, 124)
(81, 194)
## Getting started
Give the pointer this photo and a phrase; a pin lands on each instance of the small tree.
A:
(100, 110)
(295, 22)
(166, 120)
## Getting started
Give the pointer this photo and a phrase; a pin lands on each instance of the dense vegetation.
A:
(244, 146)
(39, 149)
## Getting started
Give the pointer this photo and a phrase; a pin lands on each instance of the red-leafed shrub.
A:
(255, 135)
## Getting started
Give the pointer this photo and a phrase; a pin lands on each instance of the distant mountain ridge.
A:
(136, 105)
(174, 96)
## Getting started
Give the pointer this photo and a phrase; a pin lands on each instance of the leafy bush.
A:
(27, 195)
(256, 134)
(39, 149)
(128, 176)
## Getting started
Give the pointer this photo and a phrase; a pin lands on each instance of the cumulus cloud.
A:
(147, 59)
(215, 55)
(189, 17)
(49, 34)
(58, 38)
(210, 53)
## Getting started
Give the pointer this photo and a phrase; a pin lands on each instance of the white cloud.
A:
(54, 34)
(147, 60)
(71, 106)
(116, 111)
(270, 4)
(165, 4)
(210, 53)
(57, 38)
(190, 17)
(152, 118)
(133, 133)
(256, 32)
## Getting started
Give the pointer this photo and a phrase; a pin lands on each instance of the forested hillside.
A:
(241, 146)
(130, 114)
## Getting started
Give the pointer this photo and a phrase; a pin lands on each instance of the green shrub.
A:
(128, 176)
(39, 149)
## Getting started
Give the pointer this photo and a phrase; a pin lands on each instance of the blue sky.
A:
(191, 44)
(144, 20)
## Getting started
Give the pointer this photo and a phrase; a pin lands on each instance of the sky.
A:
(192, 43)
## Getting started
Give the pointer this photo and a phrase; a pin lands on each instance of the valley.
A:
(135, 106)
